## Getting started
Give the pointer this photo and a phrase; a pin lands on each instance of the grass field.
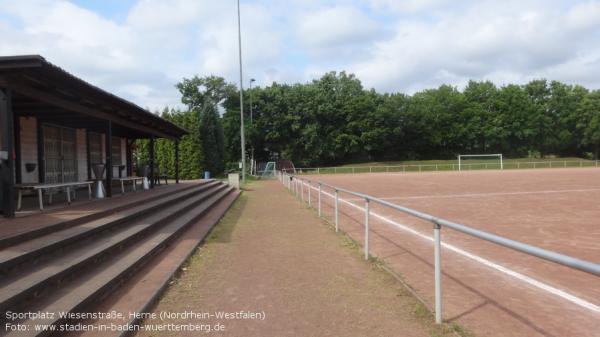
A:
(452, 165)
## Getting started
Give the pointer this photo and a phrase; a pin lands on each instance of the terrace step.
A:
(123, 204)
(26, 251)
(91, 285)
(140, 292)
(29, 281)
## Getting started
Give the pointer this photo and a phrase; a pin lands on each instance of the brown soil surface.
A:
(272, 255)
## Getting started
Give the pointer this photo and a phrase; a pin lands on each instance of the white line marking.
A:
(468, 195)
(529, 280)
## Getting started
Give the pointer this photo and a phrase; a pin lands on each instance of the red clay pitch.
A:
(556, 209)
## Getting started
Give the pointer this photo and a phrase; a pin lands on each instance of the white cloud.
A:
(391, 45)
(509, 41)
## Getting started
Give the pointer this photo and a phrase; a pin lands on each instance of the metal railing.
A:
(505, 165)
(292, 182)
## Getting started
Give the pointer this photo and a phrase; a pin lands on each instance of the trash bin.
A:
(206, 175)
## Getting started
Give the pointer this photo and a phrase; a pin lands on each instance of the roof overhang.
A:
(40, 87)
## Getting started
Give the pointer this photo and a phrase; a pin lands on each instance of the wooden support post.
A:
(177, 161)
(7, 160)
(88, 155)
(41, 155)
(129, 156)
(17, 148)
(108, 150)
(152, 161)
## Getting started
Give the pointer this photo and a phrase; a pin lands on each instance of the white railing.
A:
(510, 165)
(297, 184)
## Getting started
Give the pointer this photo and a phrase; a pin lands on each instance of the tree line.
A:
(334, 120)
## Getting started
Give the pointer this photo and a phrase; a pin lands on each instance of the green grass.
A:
(455, 161)
(452, 165)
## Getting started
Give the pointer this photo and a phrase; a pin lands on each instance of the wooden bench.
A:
(40, 187)
(125, 179)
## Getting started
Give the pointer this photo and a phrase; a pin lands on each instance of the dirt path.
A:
(270, 255)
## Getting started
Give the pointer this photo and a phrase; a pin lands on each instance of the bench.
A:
(40, 187)
(125, 179)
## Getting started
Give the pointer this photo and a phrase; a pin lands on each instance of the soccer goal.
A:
(267, 171)
(462, 157)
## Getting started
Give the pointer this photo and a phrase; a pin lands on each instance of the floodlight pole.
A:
(252, 164)
(243, 140)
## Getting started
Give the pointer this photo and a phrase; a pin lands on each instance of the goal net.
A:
(267, 171)
(480, 161)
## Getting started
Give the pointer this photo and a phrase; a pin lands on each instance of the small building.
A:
(55, 126)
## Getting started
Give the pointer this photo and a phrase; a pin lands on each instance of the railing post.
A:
(309, 188)
(302, 190)
(337, 222)
(366, 229)
(319, 200)
(437, 272)
(318, 170)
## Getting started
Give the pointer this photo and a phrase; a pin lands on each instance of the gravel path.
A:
(272, 256)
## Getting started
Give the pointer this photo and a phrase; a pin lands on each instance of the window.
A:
(116, 151)
(95, 148)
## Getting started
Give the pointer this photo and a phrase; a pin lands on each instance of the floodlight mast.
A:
(243, 140)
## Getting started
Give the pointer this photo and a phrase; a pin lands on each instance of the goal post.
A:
(461, 157)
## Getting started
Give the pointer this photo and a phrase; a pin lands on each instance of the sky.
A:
(139, 49)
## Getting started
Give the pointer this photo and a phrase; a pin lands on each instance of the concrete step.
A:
(29, 282)
(112, 205)
(90, 287)
(29, 250)
(140, 292)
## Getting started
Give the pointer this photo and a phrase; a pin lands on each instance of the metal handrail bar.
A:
(545, 254)
(438, 223)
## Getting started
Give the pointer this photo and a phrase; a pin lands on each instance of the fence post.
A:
(335, 170)
(319, 200)
(518, 165)
(318, 170)
(370, 167)
(353, 170)
(437, 272)
(337, 223)
(366, 229)
(309, 188)
(302, 190)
